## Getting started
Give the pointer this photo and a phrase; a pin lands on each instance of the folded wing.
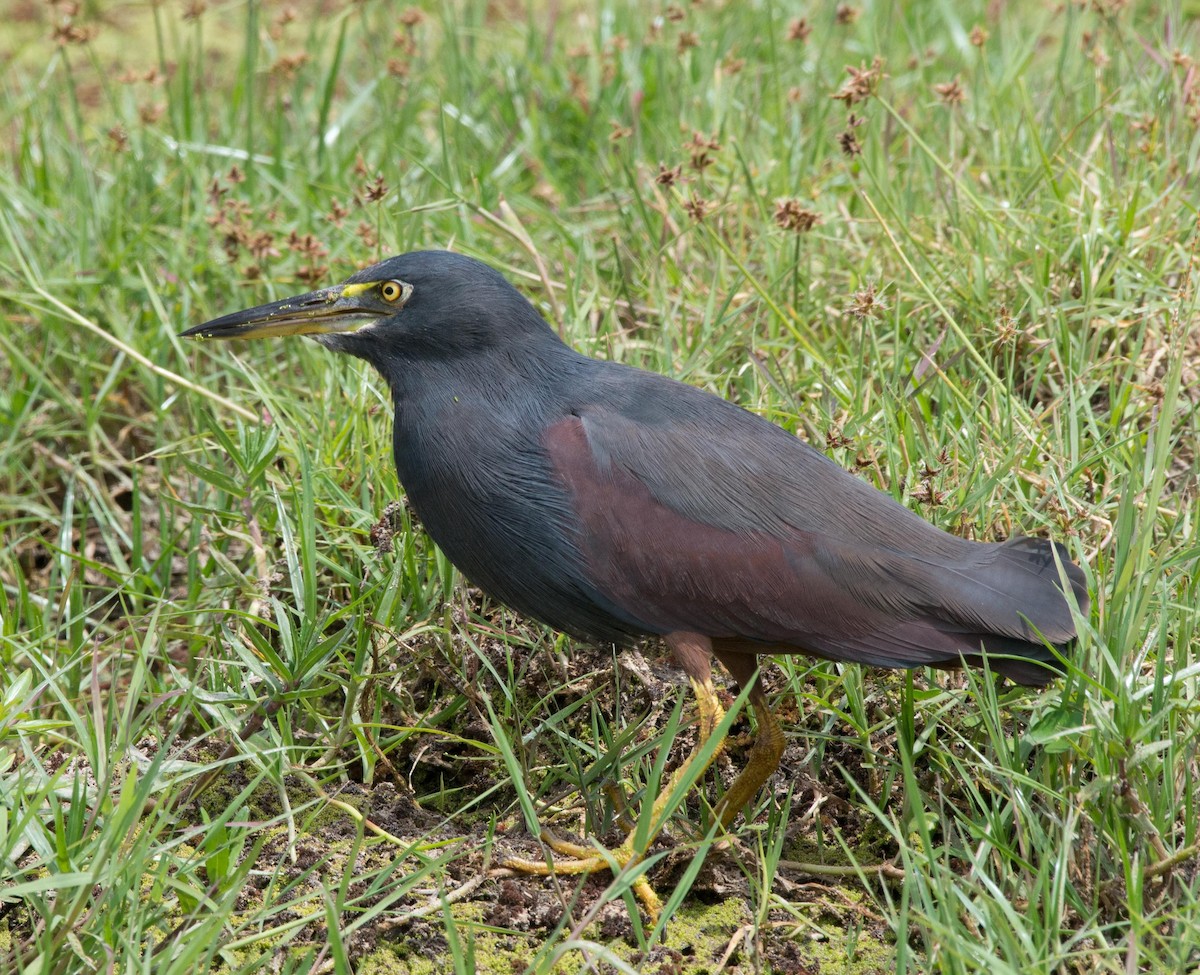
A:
(739, 531)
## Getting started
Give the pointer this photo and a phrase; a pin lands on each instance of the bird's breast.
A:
(484, 488)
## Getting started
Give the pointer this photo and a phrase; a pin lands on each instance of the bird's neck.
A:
(519, 373)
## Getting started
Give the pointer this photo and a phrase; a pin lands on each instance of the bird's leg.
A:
(709, 715)
(761, 764)
(768, 744)
(692, 651)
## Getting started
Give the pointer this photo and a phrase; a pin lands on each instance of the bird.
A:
(615, 504)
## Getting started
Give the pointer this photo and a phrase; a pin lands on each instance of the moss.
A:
(696, 939)
(870, 957)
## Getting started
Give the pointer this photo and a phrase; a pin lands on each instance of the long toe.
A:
(580, 860)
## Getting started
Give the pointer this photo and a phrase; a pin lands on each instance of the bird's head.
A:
(421, 305)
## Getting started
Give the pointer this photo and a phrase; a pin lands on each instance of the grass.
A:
(249, 714)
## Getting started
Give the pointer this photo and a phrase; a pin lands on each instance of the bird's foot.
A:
(580, 859)
(589, 859)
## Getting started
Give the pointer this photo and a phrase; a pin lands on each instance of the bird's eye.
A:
(392, 291)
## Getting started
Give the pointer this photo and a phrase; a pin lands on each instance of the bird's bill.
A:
(338, 309)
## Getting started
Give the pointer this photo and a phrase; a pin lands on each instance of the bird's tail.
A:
(1011, 601)
(1014, 601)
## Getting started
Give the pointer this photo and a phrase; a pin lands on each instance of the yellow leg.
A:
(760, 764)
(585, 859)
(741, 660)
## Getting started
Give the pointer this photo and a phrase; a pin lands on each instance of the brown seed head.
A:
(287, 65)
(798, 30)
(337, 213)
(848, 140)
(366, 233)
(834, 439)
(926, 494)
(862, 83)
(68, 33)
(867, 303)
(618, 131)
(696, 207)
(950, 92)
(792, 215)
(375, 190)
(668, 177)
(312, 273)
(700, 149)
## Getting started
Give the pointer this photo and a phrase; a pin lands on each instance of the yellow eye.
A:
(391, 290)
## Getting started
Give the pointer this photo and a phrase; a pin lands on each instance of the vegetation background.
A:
(251, 719)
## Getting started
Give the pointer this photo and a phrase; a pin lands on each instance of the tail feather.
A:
(933, 643)
(1006, 600)
(1034, 569)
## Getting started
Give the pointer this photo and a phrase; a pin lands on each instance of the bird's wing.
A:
(733, 528)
